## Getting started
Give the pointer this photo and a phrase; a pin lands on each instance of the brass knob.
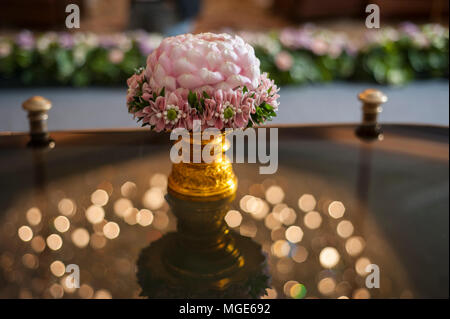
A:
(372, 100)
(37, 108)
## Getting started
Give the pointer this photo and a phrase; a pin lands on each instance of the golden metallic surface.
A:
(372, 96)
(372, 100)
(37, 104)
(203, 181)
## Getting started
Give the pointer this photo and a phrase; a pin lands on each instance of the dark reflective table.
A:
(336, 205)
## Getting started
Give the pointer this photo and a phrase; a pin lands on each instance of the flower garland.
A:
(307, 54)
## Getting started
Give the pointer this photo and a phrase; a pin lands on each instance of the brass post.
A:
(37, 108)
(372, 100)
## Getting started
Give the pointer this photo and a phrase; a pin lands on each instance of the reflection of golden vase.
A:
(203, 259)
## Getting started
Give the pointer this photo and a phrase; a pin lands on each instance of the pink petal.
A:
(165, 62)
(173, 99)
(189, 81)
(182, 66)
(170, 83)
(210, 77)
(229, 69)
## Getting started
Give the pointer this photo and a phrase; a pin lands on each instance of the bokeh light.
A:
(287, 287)
(86, 291)
(354, 245)
(102, 294)
(121, 206)
(95, 214)
(287, 216)
(25, 233)
(272, 222)
(54, 242)
(111, 230)
(128, 189)
(307, 202)
(270, 294)
(30, 261)
(345, 228)
(56, 291)
(38, 244)
(80, 237)
(326, 286)
(248, 229)
(329, 257)
(131, 216)
(67, 207)
(336, 209)
(99, 197)
(153, 198)
(144, 217)
(160, 220)
(34, 216)
(300, 254)
(274, 194)
(62, 224)
(294, 234)
(280, 248)
(312, 220)
(361, 293)
(297, 291)
(243, 203)
(360, 266)
(159, 180)
(233, 218)
(58, 268)
(97, 241)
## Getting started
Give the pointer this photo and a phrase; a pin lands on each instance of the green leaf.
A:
(192, 99)
(163, 92)
(244, 90)
(266, 106)
(200, 108)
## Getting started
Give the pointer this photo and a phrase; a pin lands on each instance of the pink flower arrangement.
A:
(214, 78)
(284, 60)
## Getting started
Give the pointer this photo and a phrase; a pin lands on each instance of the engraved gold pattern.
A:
(203, 181)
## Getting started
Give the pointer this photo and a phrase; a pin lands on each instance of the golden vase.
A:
(199, 194)
(202, 182)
